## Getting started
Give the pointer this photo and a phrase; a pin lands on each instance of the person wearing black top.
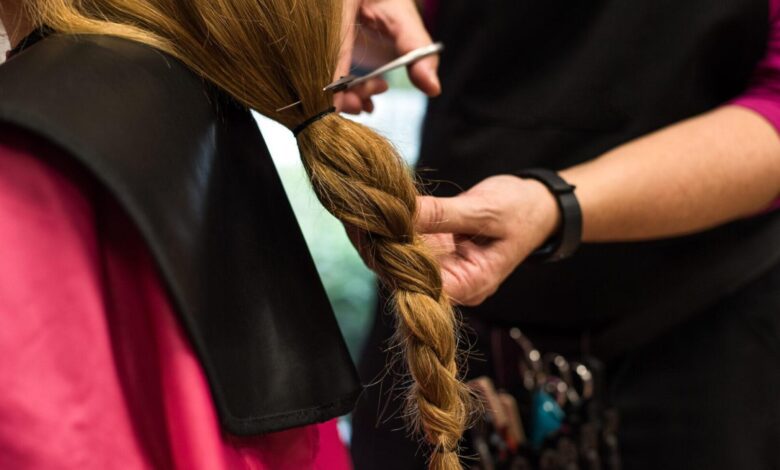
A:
(625, 108)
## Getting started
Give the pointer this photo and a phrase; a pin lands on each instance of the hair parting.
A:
(267, 54)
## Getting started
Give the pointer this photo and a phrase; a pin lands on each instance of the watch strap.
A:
(569, 236)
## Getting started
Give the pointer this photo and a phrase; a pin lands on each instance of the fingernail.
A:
(435, 84)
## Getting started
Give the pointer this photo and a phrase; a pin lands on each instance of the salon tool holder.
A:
(551, 416)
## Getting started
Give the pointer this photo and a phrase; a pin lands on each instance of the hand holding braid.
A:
(362, 181)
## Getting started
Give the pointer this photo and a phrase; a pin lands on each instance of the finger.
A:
(490, 265)
(368, 105)
(372, 48)
(440, 244)
(434, 215)
(459, 287)
(424, 75)
(452, 287)
(358, 99)
(348, 33)
(375, 86)
(458, 215)
(401, 21)
(350, 103)
(476, 270)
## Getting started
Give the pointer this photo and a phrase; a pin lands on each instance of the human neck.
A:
(16, 23)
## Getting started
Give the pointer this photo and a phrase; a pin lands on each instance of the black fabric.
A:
(549, 84)
(191, 169)
(552, 84)
(705, 395)
(29, 40)
(702, 396)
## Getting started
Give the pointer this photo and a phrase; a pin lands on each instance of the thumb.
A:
(349, 15)
(447, 215)
(401, 21)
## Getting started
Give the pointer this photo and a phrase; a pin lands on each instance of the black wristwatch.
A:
(564, 243)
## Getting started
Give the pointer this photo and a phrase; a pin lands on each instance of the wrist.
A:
(566, 229)
(547, 216)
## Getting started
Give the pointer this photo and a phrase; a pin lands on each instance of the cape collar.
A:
(29, 40)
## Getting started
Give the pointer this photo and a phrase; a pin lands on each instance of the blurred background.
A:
(349, 284)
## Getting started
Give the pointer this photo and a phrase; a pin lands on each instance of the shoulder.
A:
(76, 90)
(124, 110)
(61, 66)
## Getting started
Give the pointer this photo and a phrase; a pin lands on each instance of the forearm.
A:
(691, 176)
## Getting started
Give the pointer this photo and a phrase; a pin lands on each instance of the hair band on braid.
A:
(445, 450)
(308, 122)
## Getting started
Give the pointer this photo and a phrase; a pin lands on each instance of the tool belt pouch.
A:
(545, 413)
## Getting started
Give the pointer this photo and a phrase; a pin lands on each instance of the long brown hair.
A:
(267, 54)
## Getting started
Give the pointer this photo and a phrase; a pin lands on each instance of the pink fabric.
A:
(763, 94)
(95, 371)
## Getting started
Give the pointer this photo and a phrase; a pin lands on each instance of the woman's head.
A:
(264, 53)
(268, 54)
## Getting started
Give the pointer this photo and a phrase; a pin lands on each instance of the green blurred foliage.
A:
(349, 284)
(398, 79)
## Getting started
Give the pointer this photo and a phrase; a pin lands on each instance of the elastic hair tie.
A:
(443, 450)
(300, 127)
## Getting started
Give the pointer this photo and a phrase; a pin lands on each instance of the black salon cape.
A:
(190, 168)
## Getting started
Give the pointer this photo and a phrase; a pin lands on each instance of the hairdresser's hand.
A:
(483, 234)
(398, 23)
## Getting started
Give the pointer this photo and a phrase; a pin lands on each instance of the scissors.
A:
(345, 83)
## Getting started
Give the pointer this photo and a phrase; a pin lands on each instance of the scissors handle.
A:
(345, 83)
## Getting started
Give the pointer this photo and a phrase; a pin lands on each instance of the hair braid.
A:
(370, 189)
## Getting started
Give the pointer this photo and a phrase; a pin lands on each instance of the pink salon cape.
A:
(95, 371)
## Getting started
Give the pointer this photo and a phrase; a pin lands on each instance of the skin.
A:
(15, 23)
(688, 177)
(391, 25)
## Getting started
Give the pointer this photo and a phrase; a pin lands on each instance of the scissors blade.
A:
(341, 84)
(345, 83)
